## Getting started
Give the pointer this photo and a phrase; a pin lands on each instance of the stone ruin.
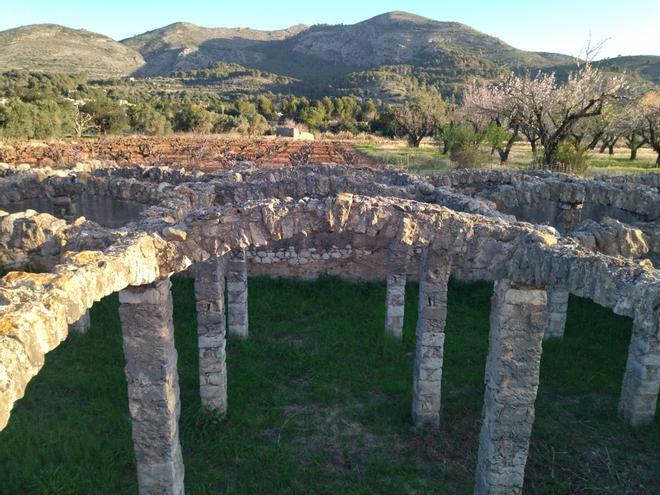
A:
(537, 236)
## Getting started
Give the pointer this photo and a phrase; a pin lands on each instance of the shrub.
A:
(572, 158)
(109, 116)
(463, 144)
(145, 119)
(193, 118)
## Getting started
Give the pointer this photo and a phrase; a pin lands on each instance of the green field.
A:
(320, 403)
(427, 159)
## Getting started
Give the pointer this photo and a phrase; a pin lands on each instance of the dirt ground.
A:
(205, 152)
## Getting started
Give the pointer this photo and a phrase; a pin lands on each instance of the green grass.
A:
(319, 402)
(423, 160)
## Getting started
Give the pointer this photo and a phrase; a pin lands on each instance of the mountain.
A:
(183, 46)
(647, 66)
(403, 38)
(53, 48)
(379, 58)
(388, 39)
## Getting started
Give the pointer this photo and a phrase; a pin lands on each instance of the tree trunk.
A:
(445, 146)
(504, 153)
(550, 153)
(633, 153)
(533, 144)
(602, 147)
(594, 141)
(611, 149)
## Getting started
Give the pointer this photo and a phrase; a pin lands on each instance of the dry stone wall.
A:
(327, 219)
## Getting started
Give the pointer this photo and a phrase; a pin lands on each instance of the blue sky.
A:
(559, 25)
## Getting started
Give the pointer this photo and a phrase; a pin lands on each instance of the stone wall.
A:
(310, 220)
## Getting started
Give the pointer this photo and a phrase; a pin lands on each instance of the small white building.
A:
(294, 133)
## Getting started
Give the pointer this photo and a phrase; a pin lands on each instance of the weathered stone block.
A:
(211, 336)
(517, 324)
(430, 337)
(153, 389)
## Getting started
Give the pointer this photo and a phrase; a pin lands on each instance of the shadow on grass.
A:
(319, 402)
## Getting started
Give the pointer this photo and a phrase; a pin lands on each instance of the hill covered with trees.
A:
(378, 58)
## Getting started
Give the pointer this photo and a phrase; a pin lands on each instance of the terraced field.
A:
(206, 152)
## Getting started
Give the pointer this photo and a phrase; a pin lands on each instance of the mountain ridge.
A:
(394, 47)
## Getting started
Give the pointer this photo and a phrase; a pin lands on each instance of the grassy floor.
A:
(427, 159)
(423, 160)
(320, 403)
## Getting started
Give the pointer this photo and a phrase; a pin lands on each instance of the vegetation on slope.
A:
(375, 58)
(53, 48)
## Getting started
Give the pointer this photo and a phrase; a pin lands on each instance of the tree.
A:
(368, 111)
(192, 117)
(623, 120)
(17, 119)
(424, 114)
(494, 113)
(145, 119)
(109, 117)
(81, 122)
(39, 119)
(649, 110)
(553, 110)
(315, 117)
(634, 141)
(384, 123)
(50, 119)
(251, 124)
(265, 107)
(249, 121)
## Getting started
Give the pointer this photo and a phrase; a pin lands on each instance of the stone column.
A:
(237, 296)
(211, 335)
(153, 386)
(641, 382)
(430, 337)
(557, 310)
(517, 322)
(397, 265)
(82, 325)
(569, 216)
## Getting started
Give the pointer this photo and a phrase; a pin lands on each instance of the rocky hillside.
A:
(184, 46)
(389, 39)
(53, 48)
(403, 38)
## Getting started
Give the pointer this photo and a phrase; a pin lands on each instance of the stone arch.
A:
(521, 258)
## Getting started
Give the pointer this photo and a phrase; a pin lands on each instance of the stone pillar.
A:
(82, 325)
(569, 216)
(153, 386)
(557, 310)
(517, 322)
(397, 265)
(237, 296)
(211, 335)
(641, 382)
(430, 338)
